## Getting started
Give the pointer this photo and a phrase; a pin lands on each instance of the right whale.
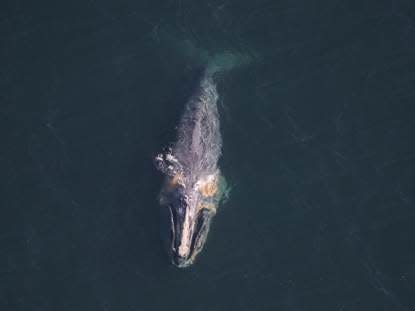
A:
(193, 185)
(191, 191)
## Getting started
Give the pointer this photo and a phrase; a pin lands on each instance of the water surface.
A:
(318, 148)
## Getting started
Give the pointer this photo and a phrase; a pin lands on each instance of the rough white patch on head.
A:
(208, 186)
(205, 180)
(171, 158)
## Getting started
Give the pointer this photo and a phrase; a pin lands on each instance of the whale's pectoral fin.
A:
(167, 164)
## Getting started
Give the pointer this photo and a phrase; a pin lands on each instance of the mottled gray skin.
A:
(199, 141)
(191, 189)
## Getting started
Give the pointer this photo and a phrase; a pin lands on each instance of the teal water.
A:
(318, 150)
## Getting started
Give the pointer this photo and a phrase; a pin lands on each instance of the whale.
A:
(193, 183)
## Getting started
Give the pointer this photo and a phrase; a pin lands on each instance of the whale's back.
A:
(199, 143)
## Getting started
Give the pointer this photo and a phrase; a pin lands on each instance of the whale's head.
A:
(190, 211)
(189, 228)
(190, 201)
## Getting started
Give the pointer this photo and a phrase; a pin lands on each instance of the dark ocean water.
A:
(319, 150)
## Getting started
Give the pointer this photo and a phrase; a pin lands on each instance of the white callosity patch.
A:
(168, 164)
(207, 186)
